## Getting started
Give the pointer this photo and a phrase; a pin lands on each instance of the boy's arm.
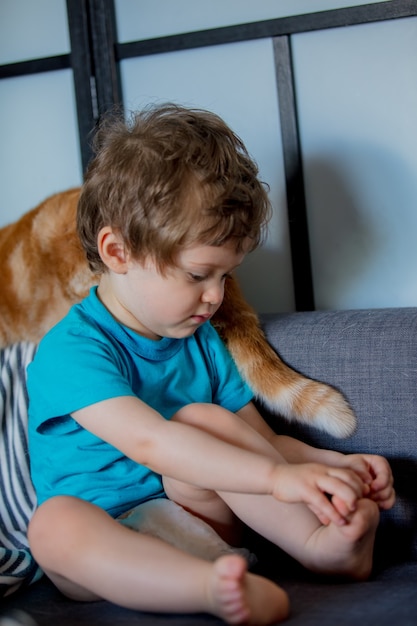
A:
(293, 450)
(193, 456)
(373, 469)
(175, 449)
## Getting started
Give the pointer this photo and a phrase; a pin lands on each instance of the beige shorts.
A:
(169, 522)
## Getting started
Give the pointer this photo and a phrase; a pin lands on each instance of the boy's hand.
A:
(376, 472)
(315, 484)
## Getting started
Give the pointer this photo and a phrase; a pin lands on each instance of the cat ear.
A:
(112, 250)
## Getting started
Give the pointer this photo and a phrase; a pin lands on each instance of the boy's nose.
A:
(213, 295)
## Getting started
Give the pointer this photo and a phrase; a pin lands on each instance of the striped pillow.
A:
(18, 498)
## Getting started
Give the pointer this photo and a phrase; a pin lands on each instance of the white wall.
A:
(39, 151)
(357, 98)
(357, 95)
(32, 29)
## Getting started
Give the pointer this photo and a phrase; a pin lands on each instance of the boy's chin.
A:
(183, 333)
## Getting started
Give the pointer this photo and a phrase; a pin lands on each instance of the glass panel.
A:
(157, 18)
(32, 29)
(357, 98)
(39, 140)
(237, 82)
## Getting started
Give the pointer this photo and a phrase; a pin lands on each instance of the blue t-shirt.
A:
(89, 357)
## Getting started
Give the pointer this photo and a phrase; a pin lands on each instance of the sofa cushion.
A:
(387, 599)
(18, 498)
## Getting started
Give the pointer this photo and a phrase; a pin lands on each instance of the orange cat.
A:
(45, 272)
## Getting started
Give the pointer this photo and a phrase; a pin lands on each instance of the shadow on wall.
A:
(361, 203)
(266, 280)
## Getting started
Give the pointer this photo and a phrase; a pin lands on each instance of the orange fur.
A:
(45, 272)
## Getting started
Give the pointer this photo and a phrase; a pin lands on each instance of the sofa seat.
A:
(371, 356)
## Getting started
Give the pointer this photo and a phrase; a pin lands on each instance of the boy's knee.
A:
(49, 527)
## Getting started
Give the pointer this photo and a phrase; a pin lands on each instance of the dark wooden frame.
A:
(96, 54)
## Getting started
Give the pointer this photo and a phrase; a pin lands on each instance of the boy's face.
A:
(176, 303)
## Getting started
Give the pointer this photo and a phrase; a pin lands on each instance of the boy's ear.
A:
(112, 250)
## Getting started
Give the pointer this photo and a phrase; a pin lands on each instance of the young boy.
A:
(134, 397)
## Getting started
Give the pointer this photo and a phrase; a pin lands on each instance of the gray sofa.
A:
(372, 357)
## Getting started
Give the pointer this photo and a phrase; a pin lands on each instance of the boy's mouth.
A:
(200, 319)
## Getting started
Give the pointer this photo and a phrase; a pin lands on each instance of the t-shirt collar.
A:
(147, 348)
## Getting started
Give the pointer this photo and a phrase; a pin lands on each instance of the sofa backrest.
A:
(371, 356)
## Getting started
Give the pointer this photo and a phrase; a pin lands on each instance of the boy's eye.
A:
(196, 278)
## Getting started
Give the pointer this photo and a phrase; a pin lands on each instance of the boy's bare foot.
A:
(238, 597)
(347, 550)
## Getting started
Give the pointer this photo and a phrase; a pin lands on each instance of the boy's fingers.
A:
(348, 479)
(327, 513)
(333, 511)
(381, 470)
(361, 467)
(340, 506)
(384, 498)
(323, 519)
(382, 481)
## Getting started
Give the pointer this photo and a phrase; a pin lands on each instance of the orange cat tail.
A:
(284, 391)
(279, 388)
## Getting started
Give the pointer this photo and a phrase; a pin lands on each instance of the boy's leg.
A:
(345, 550)
(90, 556)
(337, 550)
(208, 505)
(332, 550)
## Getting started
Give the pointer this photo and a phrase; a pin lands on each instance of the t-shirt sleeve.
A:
(229, 389)
(88, 373)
